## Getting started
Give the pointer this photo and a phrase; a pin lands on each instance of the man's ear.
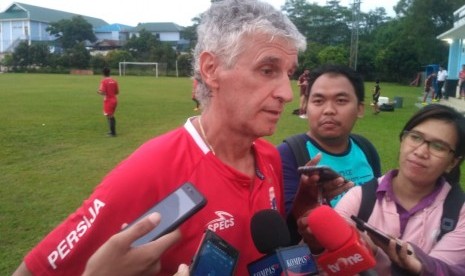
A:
(208, 69)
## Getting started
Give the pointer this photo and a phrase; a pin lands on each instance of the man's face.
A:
(332, 108)
(251, 95)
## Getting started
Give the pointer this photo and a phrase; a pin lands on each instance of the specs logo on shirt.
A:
(224, 221)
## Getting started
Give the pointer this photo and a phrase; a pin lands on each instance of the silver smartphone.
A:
(174, 209)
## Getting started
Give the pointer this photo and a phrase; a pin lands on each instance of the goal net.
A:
(138, 68)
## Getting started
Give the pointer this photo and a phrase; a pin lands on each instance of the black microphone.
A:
(271, 237)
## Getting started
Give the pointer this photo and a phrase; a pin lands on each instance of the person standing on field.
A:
(302, 82)
(376, 94)
(429, 88)
(109, 89)
(462, 82)
(442, 77)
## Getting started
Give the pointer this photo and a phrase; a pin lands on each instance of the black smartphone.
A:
(174, 210)
(378, 234)
(214, 256)
(325, 172)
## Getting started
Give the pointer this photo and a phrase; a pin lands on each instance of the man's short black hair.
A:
(106, 71)
(337, 69)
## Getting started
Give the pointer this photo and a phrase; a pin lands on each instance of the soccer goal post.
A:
(123, 64)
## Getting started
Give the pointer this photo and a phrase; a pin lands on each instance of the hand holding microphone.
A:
(345, 253)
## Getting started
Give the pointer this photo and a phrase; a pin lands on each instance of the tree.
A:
(98, 61)
(163, 53)
(21, 55)
(113, 58)
(185, 64)
(78, 57)
(141, 46)
(408, 43)
(372, 20)
(39, 54)
(190, 33)
(397, 62)
(334, 55)
(327, 25)
(309, 59)
(72, 32)
(7, 61)
(369, 44)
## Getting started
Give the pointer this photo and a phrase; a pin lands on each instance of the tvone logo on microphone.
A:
(345, 262)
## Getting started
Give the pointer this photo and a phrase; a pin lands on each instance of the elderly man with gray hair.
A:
(244, 58)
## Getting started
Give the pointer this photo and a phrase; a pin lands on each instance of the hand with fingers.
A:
(117, 257)
(404, 256)
(309, 195)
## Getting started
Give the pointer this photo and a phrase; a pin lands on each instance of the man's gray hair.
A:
(224, 27)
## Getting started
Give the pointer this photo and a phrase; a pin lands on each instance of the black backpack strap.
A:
(370, 152)
(451, 210)
(297, 144)
(368, 199)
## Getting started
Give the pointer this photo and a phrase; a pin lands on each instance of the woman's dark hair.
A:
(336, 69)
(446, 114)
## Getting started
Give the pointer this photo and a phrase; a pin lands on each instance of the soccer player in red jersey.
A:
(109, 89)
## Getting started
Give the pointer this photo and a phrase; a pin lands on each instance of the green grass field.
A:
(54, 149)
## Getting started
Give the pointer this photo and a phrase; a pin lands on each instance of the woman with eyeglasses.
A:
(409, 200)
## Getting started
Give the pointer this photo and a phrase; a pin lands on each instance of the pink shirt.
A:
(462, 75)
(422, 228)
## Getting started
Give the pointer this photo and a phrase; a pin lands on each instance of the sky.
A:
(180, 12)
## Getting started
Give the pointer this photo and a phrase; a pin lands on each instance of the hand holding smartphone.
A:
(378, 234)
(214, 256)
(325, 172)
(174, 209)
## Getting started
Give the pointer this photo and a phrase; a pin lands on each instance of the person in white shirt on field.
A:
(442, 77)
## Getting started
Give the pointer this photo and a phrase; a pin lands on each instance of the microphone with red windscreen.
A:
(346, 253)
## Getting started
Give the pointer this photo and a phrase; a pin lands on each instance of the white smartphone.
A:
(378, 234)
(174, 209)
